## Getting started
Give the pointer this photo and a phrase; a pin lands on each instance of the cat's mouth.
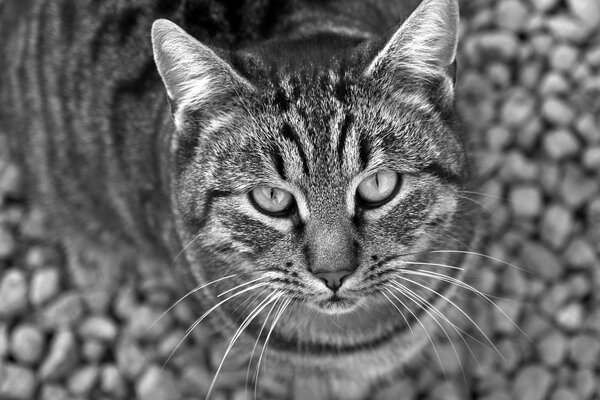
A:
(337, 304)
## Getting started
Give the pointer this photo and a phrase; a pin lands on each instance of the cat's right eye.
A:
(272, 201)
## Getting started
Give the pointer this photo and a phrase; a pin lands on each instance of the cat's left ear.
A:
(195, 77)
(425, 44)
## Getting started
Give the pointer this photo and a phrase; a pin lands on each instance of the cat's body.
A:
(86, 112)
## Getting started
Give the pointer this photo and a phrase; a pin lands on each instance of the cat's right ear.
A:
(194, 76)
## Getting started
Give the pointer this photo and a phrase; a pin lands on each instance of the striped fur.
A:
(309, 97)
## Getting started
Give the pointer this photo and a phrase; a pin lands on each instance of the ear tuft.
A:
(193, 74)
(425, 43)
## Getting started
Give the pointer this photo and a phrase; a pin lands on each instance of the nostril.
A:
(333, 280)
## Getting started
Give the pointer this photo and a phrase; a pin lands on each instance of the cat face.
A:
(313, 187)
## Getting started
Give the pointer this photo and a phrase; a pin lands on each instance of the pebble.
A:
(82, 381)
(99, 328)
(147, 323)
(587, 128)
(570, 317)
(498, 137)
(156, 385)
(16, 382)
(27, 344)
(552, 349)
(13, 293)
(591, 158)
(64, 311)
(11, 180)
(517, 108)
(530, 75)
(42, 256)
(557, 225)
(542, 261)
(561, 144)
(584, 351)
(518, 168)
(544, 5)
(586, 383)
(580, 254)
(566, 28)
(8, 244)
(576, 188)
(557, 112)
(500, 45)
(448, 390)
(54, 392)
(130, 359)
(587, 11)
(532, 383)
(554, 83)
(525, 201)
(507, 315)
(511, 14)
(62, 357)
(564, 394)
(4, 340)
(564, 57)
(529, 133)
(45, 285)
(93, 350)
(112, 382)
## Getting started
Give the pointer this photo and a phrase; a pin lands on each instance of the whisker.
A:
(272, 297)
(459, 309)
(187, 295)
(401, 313)
(433, 265)
(262, 328)
(199, 320)
(427, 306)
(277, 316)
(241, 285)
(419, 322)
(466, 286)
(484, 256)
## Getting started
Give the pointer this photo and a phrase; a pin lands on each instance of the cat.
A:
(300, 158)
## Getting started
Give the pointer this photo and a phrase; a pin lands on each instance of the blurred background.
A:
(529, 91)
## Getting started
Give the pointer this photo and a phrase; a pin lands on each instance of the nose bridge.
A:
(330, 245)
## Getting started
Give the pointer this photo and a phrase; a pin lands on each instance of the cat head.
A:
(312, 182)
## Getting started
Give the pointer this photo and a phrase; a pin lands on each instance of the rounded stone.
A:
(557, 225)
(564, 57)
(532, 383)
(554, 83)
(13, 293)
(8, 244)
(584, 351)
(501, 45)
(587, 11)
(542, 261)
(586, 383)
(16, 382)
(82, 381)
(99, 328)
(511, 14)
(62, 357)
(570, 317)
(544, 5)
(157, 384)
(525, 201)
(561, 144)
(45, 285)
(65, 311)
(27, 344)
(553, 348)
(557, 112)
(581, 254)
(112, 382)
(564, 394)
(517, 108)
(591, 158)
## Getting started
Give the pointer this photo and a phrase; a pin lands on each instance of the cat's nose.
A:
(333, 280)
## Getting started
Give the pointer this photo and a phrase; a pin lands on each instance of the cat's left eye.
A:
(272, 201)
(377, 189)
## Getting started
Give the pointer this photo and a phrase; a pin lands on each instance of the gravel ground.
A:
(529, 86)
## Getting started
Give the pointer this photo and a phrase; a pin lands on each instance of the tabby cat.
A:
(304, 167)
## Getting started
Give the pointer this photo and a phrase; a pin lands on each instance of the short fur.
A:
(311, 97)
